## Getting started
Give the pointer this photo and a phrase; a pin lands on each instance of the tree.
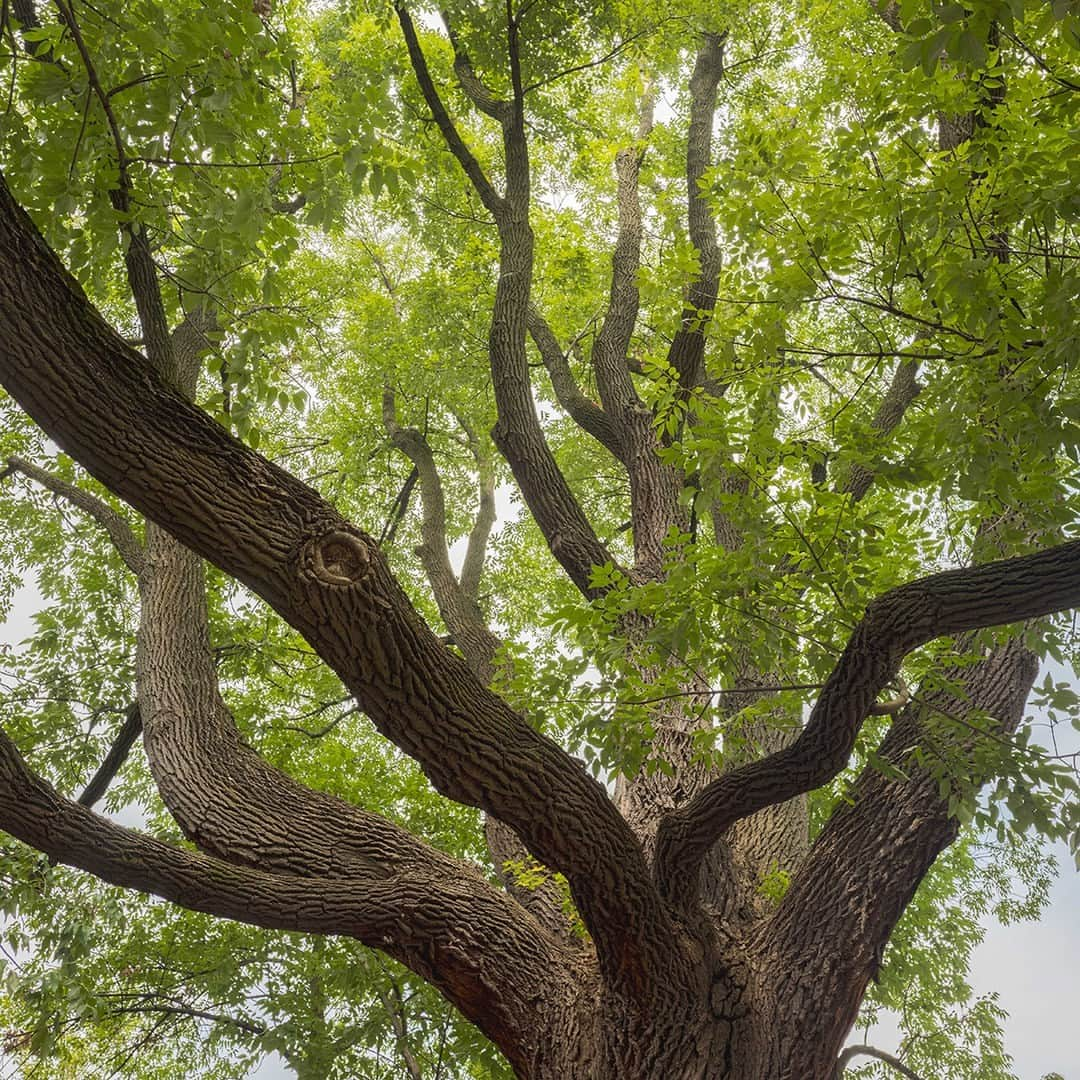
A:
(779, 365)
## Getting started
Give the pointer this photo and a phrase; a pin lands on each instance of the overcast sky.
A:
(1034, 967)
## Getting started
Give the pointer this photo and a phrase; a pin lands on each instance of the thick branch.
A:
(876, 847)
(474, 87)
(115, 525)
(325, 577)
(457, 607)
(437, 926)
(903, 390)
(472, 566)
(517, 433)
(1006, 591)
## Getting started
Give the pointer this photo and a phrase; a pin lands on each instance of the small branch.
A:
(476, 90)
(492, 201)
(115, 525)
(244, 1025)
(852, 1052)
(585, 413)
(129, 731)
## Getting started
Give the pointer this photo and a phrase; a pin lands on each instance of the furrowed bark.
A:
(63, 363)
(517, 433)
(456, 600)
(846, 893)
(1010, 590)
(457, 932)
(458, 608)
(617, 393)
(687, 352)
(585, 413)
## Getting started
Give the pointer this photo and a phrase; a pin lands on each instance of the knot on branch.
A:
(338, 558)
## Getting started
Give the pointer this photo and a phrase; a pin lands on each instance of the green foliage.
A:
(285, 170)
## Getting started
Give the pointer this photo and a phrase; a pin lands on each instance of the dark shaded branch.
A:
(902, 391)
(248, 1027)
(408, 914)
(491, 199)
(129, 731)
(877, 845)
(329, 581)
(476, 90)
(1010, 590)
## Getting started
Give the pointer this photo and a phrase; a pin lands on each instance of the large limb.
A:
(323, 576)
(466, 938)
(456, 598)
(1006, 591)
(517, 432)
(777, 837)
(844, 897)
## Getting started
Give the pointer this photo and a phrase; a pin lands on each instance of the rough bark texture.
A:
(686, 971)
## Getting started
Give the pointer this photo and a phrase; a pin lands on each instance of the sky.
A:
(1034, 967)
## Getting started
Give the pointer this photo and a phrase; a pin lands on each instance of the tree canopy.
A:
(634, 448)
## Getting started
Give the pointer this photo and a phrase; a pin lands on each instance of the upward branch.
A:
(1010, 590)
(491, 199)
(517, 432)
(687, 352)
(327, 579)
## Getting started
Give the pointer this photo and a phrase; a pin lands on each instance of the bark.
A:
(678, 978)
(687, 352)
(329, 581)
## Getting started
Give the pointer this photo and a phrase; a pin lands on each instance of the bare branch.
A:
(328, 580)
(687, 352)
(457, 607)
(902, 391)
(472, 566)
(852, 1052)
(613, 341)
(474, 87)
